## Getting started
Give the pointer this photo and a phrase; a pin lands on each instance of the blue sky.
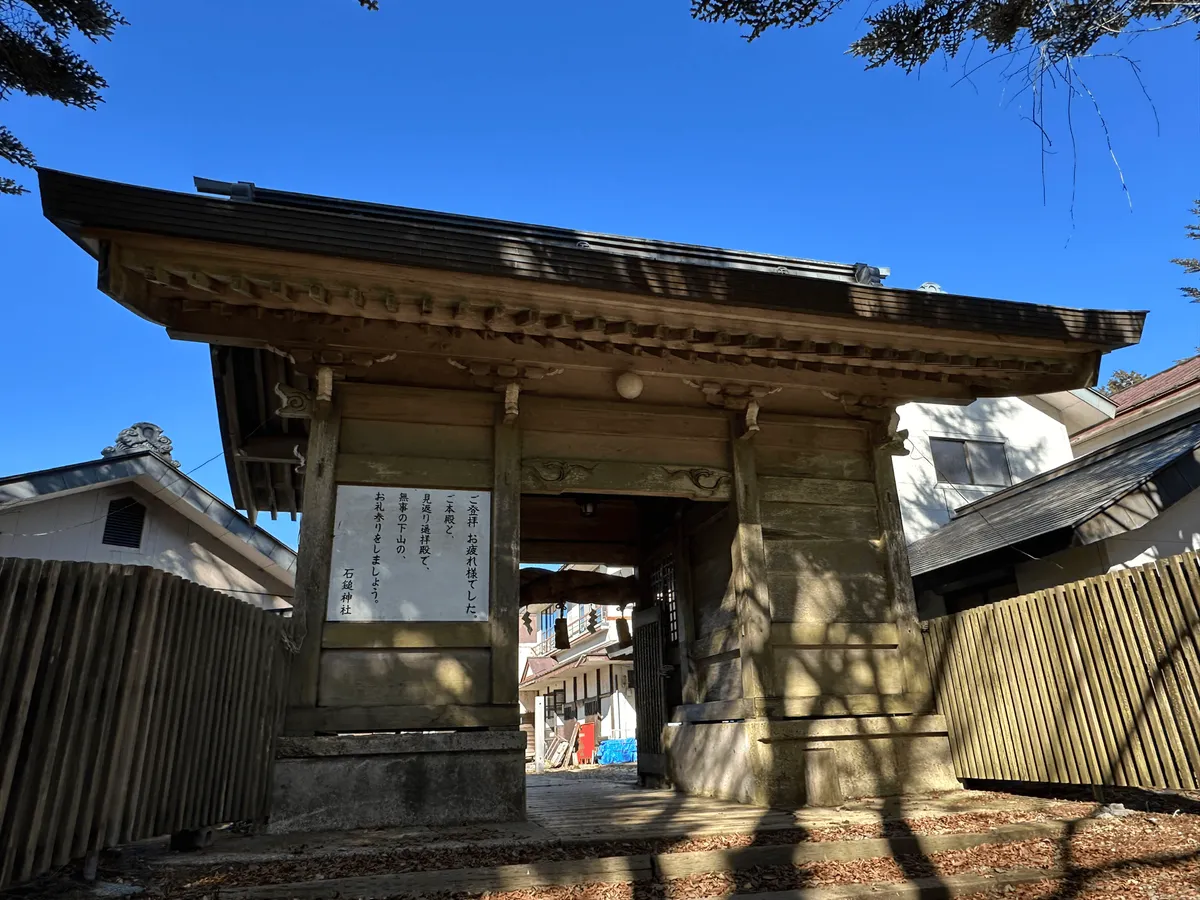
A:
(623, 117)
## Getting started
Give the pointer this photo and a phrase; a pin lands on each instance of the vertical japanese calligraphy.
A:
(472, 553)
(426, 530)
(410, 554)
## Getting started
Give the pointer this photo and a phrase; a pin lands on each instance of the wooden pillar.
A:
(750, 573)
(311, 595)
(685, 612)
(504, 608)
(888, 443)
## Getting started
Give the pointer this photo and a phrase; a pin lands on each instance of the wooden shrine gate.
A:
(424, 357)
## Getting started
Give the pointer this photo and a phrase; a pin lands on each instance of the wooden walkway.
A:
(572, 806)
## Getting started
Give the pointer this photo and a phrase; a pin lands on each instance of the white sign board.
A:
(410, 555)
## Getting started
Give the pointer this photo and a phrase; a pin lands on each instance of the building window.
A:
(970, 462)
(124, 524)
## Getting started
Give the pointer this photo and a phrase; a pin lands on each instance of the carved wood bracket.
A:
(297, 403)
(510, 379)
(736, 396)
(301, 404)
(889, 438)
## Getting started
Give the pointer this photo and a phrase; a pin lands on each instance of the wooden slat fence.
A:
(1095, 682)
(132, 704)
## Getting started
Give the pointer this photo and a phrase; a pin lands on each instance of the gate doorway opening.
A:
(611, 587)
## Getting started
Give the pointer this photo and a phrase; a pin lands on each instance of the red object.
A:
(587, 742)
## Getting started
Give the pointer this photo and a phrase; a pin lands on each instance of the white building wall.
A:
(1034, 442)
(1172, 531)
(70, 527)
(1175, 530)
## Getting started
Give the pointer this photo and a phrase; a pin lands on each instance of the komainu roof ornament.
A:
(140, 437)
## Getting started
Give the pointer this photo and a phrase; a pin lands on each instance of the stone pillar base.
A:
(375, 781)
(769, 762)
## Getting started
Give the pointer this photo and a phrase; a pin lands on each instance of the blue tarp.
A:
(621, 750)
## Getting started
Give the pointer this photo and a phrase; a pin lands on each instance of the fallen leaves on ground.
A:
(1141, 858)
(416, 857)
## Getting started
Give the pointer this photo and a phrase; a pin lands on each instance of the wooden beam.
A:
(330, 719)
(234, 433)
(415, 472)
(504, 608)
(539, 551)
(823, 706)
(314, 556)
(750, 571)
(272, 449)
(559, 476)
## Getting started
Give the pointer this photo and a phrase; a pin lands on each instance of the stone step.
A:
(654, 867)
(917, 889)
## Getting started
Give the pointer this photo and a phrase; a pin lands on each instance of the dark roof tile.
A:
(1064, 497)
(650, 269)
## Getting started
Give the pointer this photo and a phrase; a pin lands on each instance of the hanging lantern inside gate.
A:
(562, 640)
(624, 636)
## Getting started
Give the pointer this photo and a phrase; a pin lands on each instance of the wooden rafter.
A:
(689, 345)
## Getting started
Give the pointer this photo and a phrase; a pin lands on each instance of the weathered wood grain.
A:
(141, 708)
(405, 677)
(804, 521)
(413, 471)
(504, 611)
(1092, 682)
(820, 491)
(408, 635)
(311, 593)
(828, 597)
(400, 718)
(750, 572)
(366, 437)
(393, 403)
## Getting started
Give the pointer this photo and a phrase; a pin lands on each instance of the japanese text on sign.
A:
(410, 554)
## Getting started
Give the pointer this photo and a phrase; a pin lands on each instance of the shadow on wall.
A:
(1034, 443)
(861, 728)
(201, 565)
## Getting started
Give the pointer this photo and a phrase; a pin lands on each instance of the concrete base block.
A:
(796, 762)
(374, 781)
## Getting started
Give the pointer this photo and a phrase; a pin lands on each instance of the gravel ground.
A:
(417, 858)
(1106, 861)
(1105, 858)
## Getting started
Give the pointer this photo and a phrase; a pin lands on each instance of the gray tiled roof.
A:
(31, 486)
(1061, 498)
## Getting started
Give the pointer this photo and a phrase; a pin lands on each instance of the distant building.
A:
(1122, 505)
(133, 506)
(1146, 404)
(961, 454)
(584, 683)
